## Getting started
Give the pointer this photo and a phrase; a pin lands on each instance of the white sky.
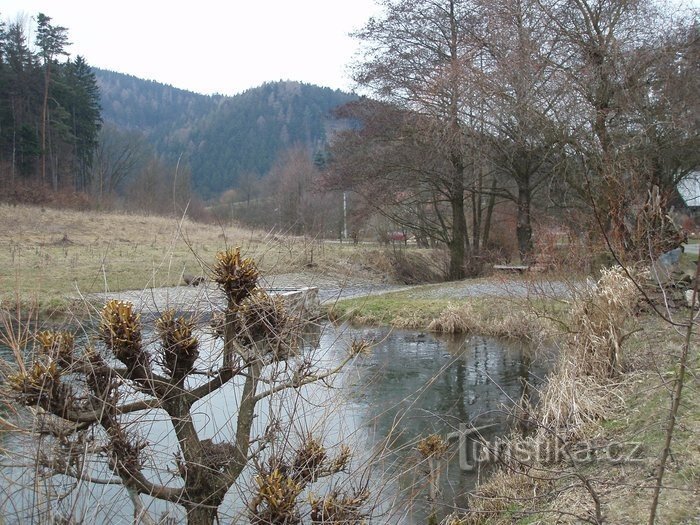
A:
(210, 46)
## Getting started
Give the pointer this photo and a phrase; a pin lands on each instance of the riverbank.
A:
(518, 308)
(593, 441)
(607, 473)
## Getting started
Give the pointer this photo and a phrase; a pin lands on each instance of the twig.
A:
(675, 401)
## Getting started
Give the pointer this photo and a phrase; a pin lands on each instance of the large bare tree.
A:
(628, 69)
(521, 93)
(415, 58)
(391, 161)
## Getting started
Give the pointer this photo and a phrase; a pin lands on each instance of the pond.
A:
(413, 384)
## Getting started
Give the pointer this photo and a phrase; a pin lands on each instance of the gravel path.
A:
(493, 288)
(196, 299)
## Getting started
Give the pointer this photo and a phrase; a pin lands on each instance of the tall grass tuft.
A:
(455, 319)
(578, 392)
(599, 320)
(511, 323)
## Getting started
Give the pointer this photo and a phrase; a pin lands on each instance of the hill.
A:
(221, 138)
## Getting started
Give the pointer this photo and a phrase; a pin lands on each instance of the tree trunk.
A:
(477, 215)
(458, 244)
(44, 120)
(460, 235)
(489, 214)
(524, 226)
(201, 515)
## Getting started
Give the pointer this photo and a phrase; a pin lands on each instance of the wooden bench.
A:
(520, 268)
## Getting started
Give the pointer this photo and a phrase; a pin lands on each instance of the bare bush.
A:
(417, 268)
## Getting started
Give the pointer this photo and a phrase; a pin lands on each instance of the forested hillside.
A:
(247, 133)
(221, 138)
(150, 107)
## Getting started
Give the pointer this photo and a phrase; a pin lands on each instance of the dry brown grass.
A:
(600, 324)
(48, 254)
(573, 406)
(578, 394)
(507, 497)
(499, 320)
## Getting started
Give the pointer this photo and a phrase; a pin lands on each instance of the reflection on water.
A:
(412, 385)
(415, 384)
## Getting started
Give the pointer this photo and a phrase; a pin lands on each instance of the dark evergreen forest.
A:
(49, 109)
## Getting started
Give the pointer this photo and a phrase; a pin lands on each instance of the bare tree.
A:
(119, 156)
(291, 180)
(415, 58)
(88, 400)
(392, 162)
(521, 92)
(629, 129)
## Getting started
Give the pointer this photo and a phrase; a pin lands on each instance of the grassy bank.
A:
(422, 307)
(614, 459)
(592, 442)
(598, 433)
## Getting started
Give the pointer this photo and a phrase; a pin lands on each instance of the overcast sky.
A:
(210, 46)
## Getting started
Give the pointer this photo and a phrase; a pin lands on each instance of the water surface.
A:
(412, 384)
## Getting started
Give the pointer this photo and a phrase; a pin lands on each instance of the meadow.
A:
(49, 257)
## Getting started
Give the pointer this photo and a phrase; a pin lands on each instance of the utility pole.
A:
(345, 215)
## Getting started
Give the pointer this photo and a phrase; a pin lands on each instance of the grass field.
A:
(47, 255)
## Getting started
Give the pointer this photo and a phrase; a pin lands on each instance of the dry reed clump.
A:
(410, 320)
(516, 323)
(455, 319)
(520, 324)
(505, 498)
(578, 393)
(571, 405)
(416, 268)
(599, 318)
